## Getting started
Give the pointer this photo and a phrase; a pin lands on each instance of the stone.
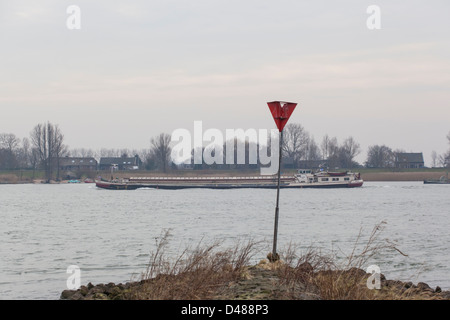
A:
(67, 294)
(423, 286)
(84, 290)
(273, 258)
(306, 267)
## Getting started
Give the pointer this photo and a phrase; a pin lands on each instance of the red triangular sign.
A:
(281, 111)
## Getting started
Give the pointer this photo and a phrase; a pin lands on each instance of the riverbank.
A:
(403, 176)
(366, 174)
(268, 281)
(206, 273)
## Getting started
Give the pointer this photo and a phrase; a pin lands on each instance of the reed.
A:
(330, 278)
(196, 273)
(209, 272)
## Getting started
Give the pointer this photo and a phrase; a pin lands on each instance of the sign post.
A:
(281, 111)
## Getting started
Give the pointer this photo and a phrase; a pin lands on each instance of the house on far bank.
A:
(121, 163)
(77, 164)
(74, 167)
(409, 160)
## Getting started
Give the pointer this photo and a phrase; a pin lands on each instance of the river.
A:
(109, 235)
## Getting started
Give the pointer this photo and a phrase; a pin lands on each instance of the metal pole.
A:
(275, 231)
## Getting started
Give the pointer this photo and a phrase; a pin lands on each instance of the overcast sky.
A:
(139, 68)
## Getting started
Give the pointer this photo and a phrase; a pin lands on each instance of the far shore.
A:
(402, 176)
(366, 174)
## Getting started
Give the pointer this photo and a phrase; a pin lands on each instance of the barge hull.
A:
(134, 186)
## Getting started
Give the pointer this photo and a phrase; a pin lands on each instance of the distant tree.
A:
(295, 142)
(444, 159)
(24, 154)
(47, 139)
(313, 152)
(348, 151)
(332, 151)
(434, 158)
(106, 153)
(380, 157)
(160, 151)
(81, 153)
(9, 145)
(34, 160)
(324, 146)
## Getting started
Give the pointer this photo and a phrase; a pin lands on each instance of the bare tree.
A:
(60, 149)
(434, 158)
(312, 151)
(380, 157)
(160, 151)
(348, 151)
(47, 139)
(9, 145)
(445, 158)
(324, 146)
(34, 160)
(330, 151)
(295, 142)
(25, 153)
(81, 152)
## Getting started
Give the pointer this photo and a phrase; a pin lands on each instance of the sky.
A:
(135, 69)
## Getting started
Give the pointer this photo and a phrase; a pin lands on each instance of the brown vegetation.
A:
(402, 176)
(207, 273)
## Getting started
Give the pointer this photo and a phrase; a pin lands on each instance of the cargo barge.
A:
(303, 179)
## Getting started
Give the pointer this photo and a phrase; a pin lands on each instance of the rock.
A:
(422, 286)
(356, 272)
(306, 267)
(84, 290)
(272, 257)
(100, 296)
(394, 284)
(116, 293)
(438, 289)
(408, 285)
(67, 294)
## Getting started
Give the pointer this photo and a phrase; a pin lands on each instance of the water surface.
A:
(110, 234)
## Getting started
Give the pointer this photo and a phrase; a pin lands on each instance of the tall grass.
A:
(206, 271)
(196, 273)
(331, 278)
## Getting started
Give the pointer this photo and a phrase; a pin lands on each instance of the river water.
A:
(109, 235)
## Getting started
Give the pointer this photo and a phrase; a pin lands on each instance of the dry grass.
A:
(8, 178)
(322, 275)
(209, 272)
(195, 274)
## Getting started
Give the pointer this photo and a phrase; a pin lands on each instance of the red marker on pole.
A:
(281, 111)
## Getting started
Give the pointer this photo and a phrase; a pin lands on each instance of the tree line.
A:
(45, 146)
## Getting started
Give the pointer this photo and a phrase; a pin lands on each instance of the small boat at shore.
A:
(303, 179)
(441, 180)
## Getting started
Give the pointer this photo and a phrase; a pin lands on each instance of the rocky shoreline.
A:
(264, 282)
